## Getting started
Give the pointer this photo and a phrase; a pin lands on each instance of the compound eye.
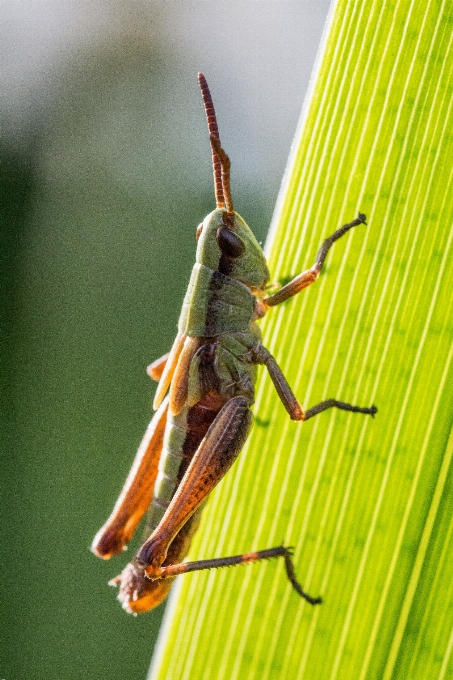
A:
(199, 230)
(229, 243)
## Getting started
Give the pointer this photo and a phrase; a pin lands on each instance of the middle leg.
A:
(289, 400)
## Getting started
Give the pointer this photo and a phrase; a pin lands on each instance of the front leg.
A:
(308, 277)
(214, 457)
(289, 400)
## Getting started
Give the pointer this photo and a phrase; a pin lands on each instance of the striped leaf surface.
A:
(367, 504)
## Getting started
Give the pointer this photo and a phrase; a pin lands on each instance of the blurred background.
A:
(106, 174)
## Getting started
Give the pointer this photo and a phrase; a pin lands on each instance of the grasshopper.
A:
(199, 429)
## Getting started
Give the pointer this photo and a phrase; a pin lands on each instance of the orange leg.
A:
(137, 492)
(156, 369)
(308, 277)
(175, 569)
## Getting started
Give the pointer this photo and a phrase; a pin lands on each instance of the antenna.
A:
(220, 161)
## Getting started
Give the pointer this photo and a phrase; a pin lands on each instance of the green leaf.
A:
(366, 503)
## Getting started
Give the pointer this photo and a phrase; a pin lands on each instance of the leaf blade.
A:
(366, 503)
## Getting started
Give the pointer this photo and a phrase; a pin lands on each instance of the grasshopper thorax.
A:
(226, 244)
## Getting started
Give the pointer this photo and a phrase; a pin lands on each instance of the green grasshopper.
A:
(199, 429)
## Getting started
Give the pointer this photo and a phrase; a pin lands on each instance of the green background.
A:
(106, 174)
